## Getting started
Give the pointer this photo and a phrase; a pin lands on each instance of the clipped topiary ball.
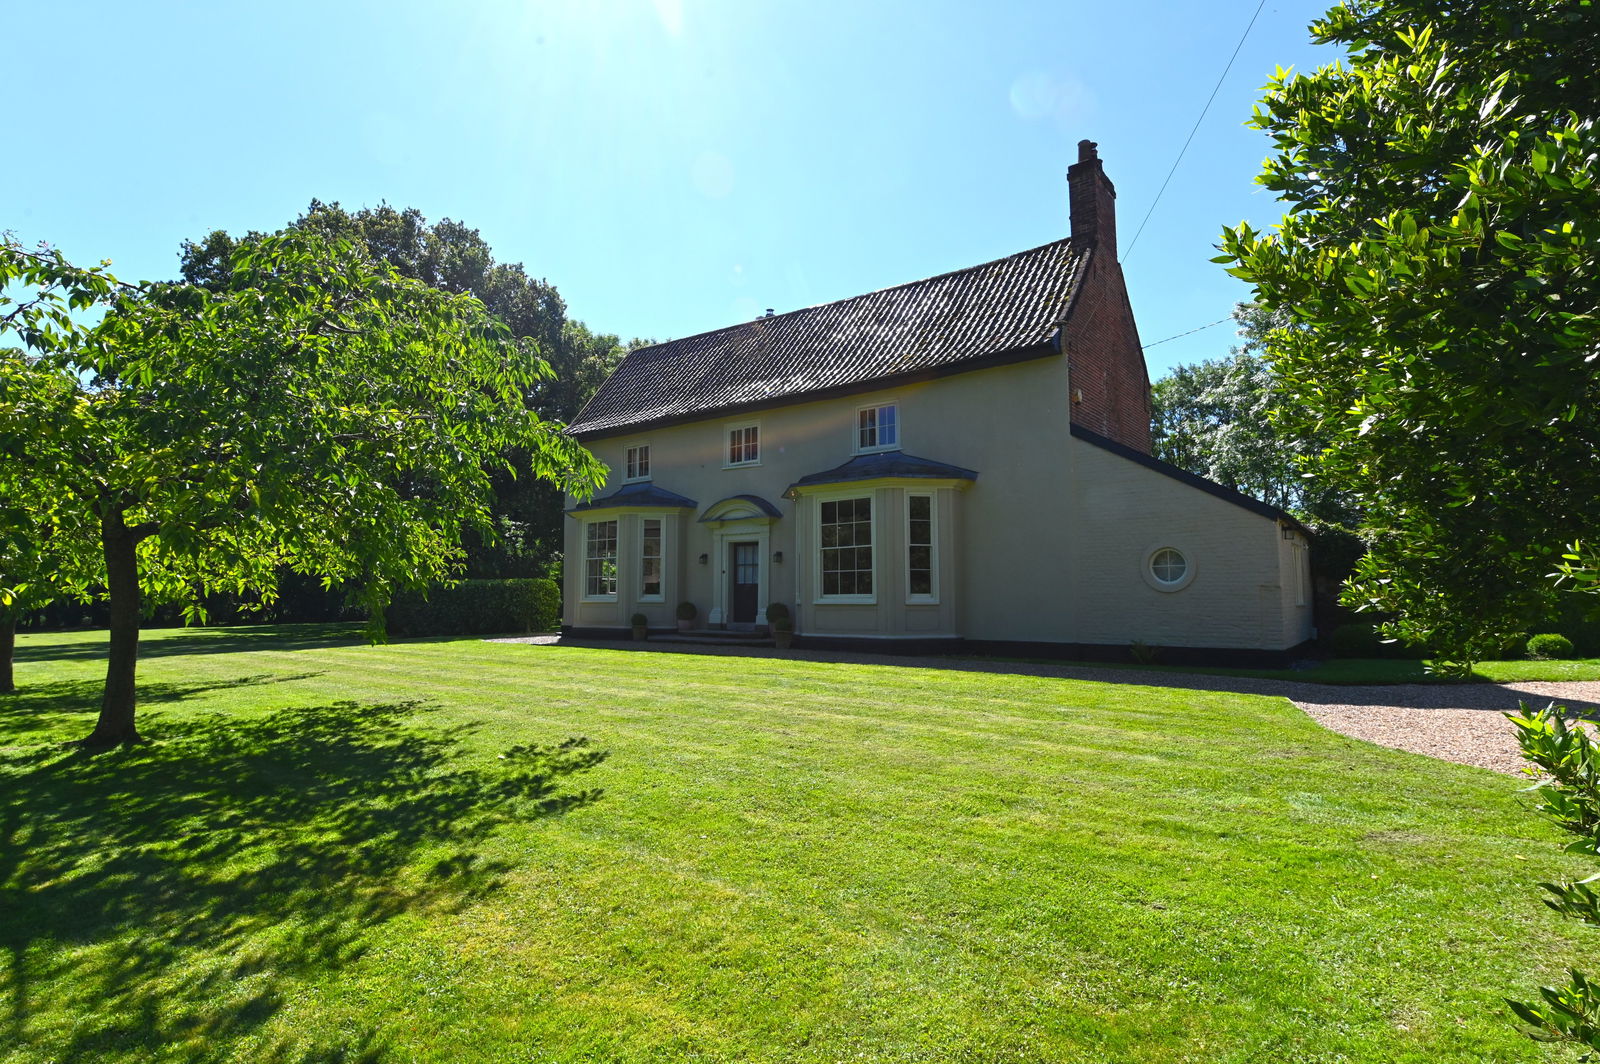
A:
(1550, 646)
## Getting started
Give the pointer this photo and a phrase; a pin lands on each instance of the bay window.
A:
(600, 560)
(650, 559)
(845, 539)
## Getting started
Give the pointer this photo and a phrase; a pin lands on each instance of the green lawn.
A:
(1344, 671)
(323, 857)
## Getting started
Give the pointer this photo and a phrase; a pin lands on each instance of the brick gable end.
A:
(1107, 377)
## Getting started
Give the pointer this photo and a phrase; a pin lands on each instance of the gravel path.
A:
(1454, 722)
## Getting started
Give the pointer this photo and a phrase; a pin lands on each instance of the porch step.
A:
(714, 637)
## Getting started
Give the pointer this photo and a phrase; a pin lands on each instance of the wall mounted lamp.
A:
(704, 558)
(777, 557)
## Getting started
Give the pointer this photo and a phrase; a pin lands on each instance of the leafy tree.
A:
(1438, 266)
(1220, 418)
(309, 409)
(450, 255)
(1223, 419)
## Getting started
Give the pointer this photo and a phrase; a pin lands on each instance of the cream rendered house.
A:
(960, 461)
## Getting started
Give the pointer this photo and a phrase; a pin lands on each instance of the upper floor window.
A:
(878, 428)
(638, 463)
(744, 444)
(600, 560)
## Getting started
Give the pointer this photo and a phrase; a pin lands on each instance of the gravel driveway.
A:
(1454, 722)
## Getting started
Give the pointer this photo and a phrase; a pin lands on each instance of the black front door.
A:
(745, 564)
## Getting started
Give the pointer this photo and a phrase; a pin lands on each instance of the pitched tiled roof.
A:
(1001, 310)
(884, 464)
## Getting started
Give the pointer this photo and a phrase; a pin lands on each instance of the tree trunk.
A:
(122, 584)
(8, 645)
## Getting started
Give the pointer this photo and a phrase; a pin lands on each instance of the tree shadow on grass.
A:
(166, 642)
(166, 901)
(43, 707)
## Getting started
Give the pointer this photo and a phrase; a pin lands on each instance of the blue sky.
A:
(671, 166)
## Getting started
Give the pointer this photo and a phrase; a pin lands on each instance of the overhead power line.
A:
(1192, 132)
(1175, 336)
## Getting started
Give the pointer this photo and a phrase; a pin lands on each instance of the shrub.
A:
(1566, 763)
(1143, 653)
(1549, 646)
(776, 612)
(1514, 646)
(477, 607)
(783, 624)
(639, 620)
(687, 611)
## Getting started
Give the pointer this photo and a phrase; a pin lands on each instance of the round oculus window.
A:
(1169, 567)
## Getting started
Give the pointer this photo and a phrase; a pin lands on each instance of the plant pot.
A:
(685, 626)
(640, 633)
(782, 639)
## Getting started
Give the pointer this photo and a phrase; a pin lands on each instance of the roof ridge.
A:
(863, 295)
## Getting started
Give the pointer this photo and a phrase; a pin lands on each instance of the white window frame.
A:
(727, 444)
(1148, 571)
(661, 558)
(932, 597)
(855, 428)
(629, 458)
(817, 597)
(616, 558)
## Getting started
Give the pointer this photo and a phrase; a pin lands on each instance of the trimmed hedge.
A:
(1363, 641)
(478, 607)
(1355, 641)
(1550, 647)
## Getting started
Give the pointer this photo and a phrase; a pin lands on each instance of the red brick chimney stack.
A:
(1093, 201)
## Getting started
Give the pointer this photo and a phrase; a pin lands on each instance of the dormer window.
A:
(744, 444)
(638, 463)
(877, 428)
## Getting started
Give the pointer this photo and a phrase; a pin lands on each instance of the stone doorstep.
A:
(713, 637)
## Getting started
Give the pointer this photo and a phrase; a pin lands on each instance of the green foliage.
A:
(525, 534)
(313, 410)
(1220, 419)
(1438, 267)
(639, 620)
(1550, 646)
(1360, 640)
(1569, 797)
(783, 624)
(478, 607)
(320, 411)
(777, 611)
(1143, 653)
(687, 611)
